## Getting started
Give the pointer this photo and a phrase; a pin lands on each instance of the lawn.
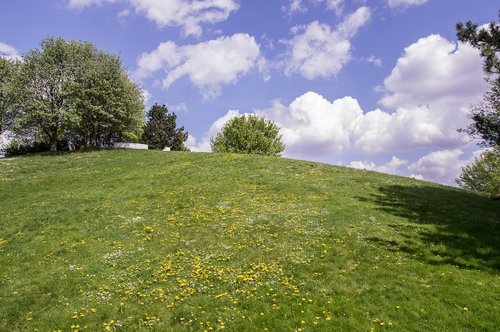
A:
(143, 240)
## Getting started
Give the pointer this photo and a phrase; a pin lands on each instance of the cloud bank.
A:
(426, 95)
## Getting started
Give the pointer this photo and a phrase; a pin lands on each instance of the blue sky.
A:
(373, 84)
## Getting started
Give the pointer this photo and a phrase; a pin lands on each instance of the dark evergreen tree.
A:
(161, 130)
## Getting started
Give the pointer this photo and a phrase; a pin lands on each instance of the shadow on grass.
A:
(443, 225)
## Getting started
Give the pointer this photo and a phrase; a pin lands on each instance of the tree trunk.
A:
(53, 142)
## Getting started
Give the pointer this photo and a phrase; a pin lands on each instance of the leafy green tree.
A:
(42, 90)
(108, 105)
(72, 90)
(249, 134)
(161, 130)
(8, 70)
(485, 116)
(483, 175)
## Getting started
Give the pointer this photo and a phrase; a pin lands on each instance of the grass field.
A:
(144, 240)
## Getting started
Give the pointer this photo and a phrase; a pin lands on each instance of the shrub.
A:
(483, 175)
(249, 134)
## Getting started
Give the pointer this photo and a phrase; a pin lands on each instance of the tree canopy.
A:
(483, 175)
(161, 130)
(7, 71)
(249, 134)
(486, 115)
(73, 91)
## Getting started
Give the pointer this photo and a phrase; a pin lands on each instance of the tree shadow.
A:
(442, 225)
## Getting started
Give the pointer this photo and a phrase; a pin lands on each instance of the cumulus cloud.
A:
(405, 3)
(392, 167)
(187, 14)
(8, 51)
(435, 71)
(313, 126)
(208, 65)
(442, 166)
(317, 50)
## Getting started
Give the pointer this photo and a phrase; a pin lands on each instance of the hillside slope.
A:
(144, 240)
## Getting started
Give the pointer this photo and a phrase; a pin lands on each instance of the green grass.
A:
(142, 240)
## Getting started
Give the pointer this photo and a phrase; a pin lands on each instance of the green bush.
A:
(483, 175)
(21, 148)
(249, 134)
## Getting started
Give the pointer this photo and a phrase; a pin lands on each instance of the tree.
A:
(249, 134)
(108, 105)
(485, 116)
(161, 130)
(42, 90)
(8, 70)
(483, 175)
(72, 90)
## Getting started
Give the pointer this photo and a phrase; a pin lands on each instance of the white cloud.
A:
(374, 60)
(335, 5)
(146, 96)
(9, 51)
(123, 14)
(435, 71)
(442, 166)
(405, 3)
(295, 6)
(178, 108)
(317, 50)
(188, 14)
(313, 126)
(208, 65)
(407, 128)
(430, 89)
(392, 167)
(79, 4)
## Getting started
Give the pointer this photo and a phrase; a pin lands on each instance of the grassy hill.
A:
(142, 240)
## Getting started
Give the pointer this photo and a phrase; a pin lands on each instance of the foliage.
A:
(42, 90)
(71, 90)
(485, 116)
(161, 130)
(107, 103)
(249, 134)
(483, 175)
(8, 70)
(148, 241)
(20, 148)
(487, 40)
